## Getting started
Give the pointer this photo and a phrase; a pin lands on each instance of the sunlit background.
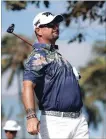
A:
(82, 41)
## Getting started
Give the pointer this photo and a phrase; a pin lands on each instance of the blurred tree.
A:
(13, 53)
(21, 5)
(94, 81)
(2, 112)
(92, 10)
(3, 116)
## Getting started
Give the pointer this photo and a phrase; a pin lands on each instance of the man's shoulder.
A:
(36, 53)
(36, 60)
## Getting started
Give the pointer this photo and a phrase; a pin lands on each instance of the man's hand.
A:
(33, 126)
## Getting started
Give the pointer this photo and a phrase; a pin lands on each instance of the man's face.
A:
(50, 31)
(11, 134)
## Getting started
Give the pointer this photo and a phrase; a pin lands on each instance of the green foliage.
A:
(92, 10)
(13, 52)
(93, 82)
(2, 112)
(86, 10)
(16, 5)
(94, 115)
(100, 48)
(21, 5)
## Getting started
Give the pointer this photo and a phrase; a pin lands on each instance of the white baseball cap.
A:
(45, 18)
(11, 125)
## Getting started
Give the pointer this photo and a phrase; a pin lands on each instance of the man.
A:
(11, 127)
(48, 75)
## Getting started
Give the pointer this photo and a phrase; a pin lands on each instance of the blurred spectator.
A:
(11, 127)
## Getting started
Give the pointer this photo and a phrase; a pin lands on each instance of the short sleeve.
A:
(34, 67)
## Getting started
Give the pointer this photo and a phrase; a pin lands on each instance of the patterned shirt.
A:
(46, 68)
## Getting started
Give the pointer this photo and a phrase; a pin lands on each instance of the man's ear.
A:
(38, 31)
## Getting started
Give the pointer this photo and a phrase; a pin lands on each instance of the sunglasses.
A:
(50, 25)
(12, 132)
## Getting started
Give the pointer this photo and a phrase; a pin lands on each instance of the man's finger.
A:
(32, 131)
(39, 126)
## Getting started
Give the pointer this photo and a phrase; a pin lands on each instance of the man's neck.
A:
(46, 41)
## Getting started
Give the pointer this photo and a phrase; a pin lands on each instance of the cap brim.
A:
(58, 18)
(12, 129)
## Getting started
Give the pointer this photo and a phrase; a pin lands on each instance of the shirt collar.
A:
(49, 47)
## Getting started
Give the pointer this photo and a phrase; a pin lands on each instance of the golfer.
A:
(51, 77)
(11, 128)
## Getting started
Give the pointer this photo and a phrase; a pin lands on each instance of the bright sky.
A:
(77, 54)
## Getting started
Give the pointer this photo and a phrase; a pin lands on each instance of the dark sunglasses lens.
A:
(13, 132)
(51, 25)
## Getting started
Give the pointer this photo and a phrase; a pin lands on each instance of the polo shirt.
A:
(54, 79)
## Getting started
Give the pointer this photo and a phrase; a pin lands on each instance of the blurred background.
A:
(82, 41)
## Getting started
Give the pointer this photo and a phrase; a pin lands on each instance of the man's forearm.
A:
(28, 97)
